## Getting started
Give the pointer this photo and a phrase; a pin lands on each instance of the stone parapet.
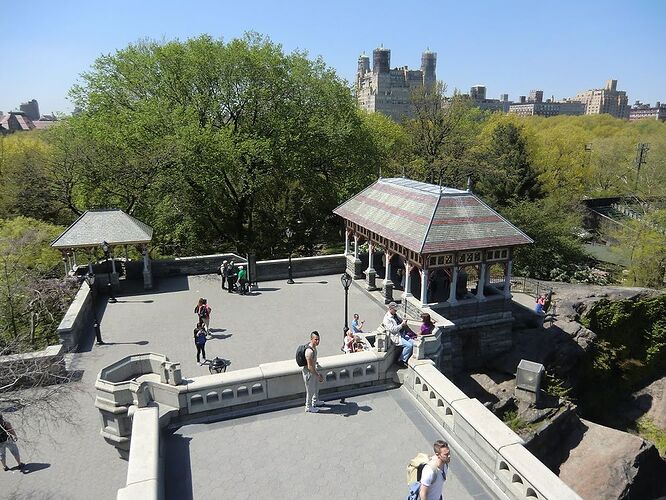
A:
(198, 264)
(41, 367)
(144, 469)
(302, 267)
(77, 319)
(479, 437)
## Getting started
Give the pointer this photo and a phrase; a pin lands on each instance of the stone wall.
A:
(302, 267)
(78, 319)
(44, 367)
(199, 264)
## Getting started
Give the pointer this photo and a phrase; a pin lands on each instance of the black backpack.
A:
(300, 355)
(203, 311)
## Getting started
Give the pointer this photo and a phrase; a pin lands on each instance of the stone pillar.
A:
(424, 287)
(147, 272)
(507, 279)
(454, 283)
(387, 289)
(358, 271)
(346, 243)
(65, 261)
(406, 292)
(482, 282)
(370, 273)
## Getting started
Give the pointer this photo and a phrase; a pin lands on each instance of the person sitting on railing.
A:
(427, 326)
(348, 344)
(399, 332)
(540, 302)
(360, 344)
(357, 325)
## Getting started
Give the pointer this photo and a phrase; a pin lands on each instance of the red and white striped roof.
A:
(429, 219)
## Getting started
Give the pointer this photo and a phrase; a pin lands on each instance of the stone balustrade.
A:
(481, 438)
(151, 387)
(144, 468)
(77, 319)
(42, 367)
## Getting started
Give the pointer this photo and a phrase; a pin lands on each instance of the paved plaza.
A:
(368, 441)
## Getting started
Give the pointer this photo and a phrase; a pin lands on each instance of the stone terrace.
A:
(377, 433)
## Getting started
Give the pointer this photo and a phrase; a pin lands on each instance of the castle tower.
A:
(428, 66)
(381, 60)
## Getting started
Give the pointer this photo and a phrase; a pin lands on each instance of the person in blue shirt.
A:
(357, 325)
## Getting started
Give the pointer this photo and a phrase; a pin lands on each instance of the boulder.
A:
(607, 463)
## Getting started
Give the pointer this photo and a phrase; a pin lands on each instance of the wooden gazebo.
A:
(438, 234)
(113, 228)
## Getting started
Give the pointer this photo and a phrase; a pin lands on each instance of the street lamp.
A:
(346, 280)
(109, 286)
(290, 233)
(90, 279)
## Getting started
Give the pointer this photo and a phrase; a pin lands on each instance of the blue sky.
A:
(561, 47)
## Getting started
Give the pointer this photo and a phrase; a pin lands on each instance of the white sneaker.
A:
(320, 403)
(312, 409)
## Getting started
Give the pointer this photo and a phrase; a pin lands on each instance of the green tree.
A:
(507, 175)
(220, 144)
(441, 135)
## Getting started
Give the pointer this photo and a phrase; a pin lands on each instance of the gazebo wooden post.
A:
(65, 261)
(454, 283)
(355, 246)
(387, 289)
(424, 286)
(370, 273)
(407, 291)
(507, 279)
(482, 282)
(346, 242)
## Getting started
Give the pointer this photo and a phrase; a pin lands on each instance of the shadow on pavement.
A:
(138, 342)
(34, 467)
(310, 282)
(222, 337)
(149, 301)
(348, 409)
(266, 289)
(178, 468)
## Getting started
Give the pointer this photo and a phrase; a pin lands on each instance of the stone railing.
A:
(144, 476)
(77, 319)
(481, 438)
(269, 270)
(33, 368)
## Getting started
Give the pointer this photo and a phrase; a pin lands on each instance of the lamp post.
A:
(346, 280)
(90, 279)
(290, 233)
(109, 286)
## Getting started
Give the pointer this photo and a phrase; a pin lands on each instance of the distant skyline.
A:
(562, 47)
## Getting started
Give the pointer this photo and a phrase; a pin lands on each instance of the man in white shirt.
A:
(434, 472)
(399, 333)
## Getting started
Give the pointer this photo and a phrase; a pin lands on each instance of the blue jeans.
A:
(407, 348)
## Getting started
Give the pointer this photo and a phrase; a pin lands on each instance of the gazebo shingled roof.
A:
(95, 226)
(428, 219)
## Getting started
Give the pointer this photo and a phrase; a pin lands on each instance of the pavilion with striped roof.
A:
(438, 234)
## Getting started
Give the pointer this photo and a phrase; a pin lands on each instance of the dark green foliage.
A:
(508, 176)
(555, 246)
(630, 350)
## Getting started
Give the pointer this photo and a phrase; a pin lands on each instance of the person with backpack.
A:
(306, 357)
(8, 442)
(224, 273)
(231, 276)
(431, 474)
(202, 310)
(200, 341)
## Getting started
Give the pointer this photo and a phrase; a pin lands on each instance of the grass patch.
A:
(650, 432)
(514, 422)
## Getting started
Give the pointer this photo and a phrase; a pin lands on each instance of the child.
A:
(200, 341)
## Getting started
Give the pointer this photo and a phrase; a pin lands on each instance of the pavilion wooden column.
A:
(387, 289)
(370, 273)
(507, 279)
(408, 283)
(454, 283)
(346, 242)
(424, 286)
(482, 282)
(356, 246)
